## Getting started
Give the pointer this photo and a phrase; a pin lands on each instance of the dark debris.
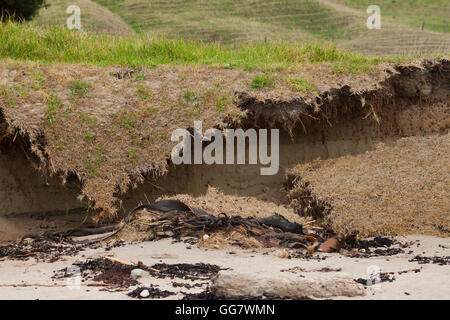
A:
(154, 293)
(442, 261)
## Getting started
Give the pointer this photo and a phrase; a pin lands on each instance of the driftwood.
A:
(78, 232)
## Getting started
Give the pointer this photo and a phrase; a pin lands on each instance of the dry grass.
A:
(109, 129)
(109, 133)
(216, 202)
(399, 188)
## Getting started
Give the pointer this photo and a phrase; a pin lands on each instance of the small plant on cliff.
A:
(301, 85)
(53, 104)
(79, 88)
(262, 82)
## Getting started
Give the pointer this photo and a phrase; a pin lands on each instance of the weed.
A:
(222, 101)
(61, 144)
(195, 108)
(140, 76)
(128, 120)
(88, 137)
(90, 120)
(262, 82)
(91, 168)
(4, 92)
(99, 158)
(21, 90)
(352, 67)
(132, 153)
(148, 111)
(144, 93)
(93, 164)
(189, 95)
(301, 85)
(67, 110)
(79, 88)
(53, 104)
(38, 78)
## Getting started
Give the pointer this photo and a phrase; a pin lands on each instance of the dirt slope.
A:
(400, 187)
(90, 126)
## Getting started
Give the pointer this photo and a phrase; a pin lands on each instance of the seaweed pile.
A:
(47, 249)
(118, 275)
(442, 261)
(174, 219)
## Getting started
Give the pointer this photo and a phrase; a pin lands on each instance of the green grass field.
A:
(58, 44)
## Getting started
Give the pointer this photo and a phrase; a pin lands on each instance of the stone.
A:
(144, 293)
(139, 273)
(285, 284)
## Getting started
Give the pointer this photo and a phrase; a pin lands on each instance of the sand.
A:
(433, 282)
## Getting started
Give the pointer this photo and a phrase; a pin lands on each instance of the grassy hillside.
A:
(231, 20)
(340, 21)
(93, 17)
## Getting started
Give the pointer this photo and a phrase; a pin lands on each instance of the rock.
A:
(139, 273)
(144, 293)
(311, 284)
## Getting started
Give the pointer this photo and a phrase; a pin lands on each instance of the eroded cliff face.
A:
(26, 191)
(410, 100)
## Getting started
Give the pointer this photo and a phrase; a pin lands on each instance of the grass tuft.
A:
(79, 88)
(262, 82)
(53, 105)
(301, 85)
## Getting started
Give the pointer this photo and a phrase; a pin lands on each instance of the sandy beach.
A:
(431, 282)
